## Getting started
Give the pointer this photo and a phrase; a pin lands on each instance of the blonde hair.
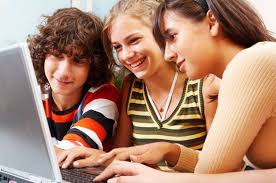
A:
(141, 9)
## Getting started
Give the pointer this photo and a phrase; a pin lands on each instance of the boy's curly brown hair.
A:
(74, 33)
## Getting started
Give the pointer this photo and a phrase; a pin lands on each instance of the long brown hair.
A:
(238, 20)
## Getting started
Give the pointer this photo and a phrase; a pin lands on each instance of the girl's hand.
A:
(150, 154)
(124, 172)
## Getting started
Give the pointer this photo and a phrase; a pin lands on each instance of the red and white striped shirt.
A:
(95, 125)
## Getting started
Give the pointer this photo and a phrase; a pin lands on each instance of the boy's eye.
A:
(56, 53)
(81, 60)
(60, 56)
(56, 56)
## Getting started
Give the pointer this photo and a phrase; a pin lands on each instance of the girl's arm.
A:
(123, 136)
(245, 103)
(133, 172)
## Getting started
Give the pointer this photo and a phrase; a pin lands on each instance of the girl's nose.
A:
(170, 55)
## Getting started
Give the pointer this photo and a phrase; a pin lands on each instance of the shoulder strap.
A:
(200, 98)
(133, 79)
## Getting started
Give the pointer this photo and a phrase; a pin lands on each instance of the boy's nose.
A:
(64, 68)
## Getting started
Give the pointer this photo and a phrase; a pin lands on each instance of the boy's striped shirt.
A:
(96, 123)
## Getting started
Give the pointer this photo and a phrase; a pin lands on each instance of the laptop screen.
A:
(25, 139)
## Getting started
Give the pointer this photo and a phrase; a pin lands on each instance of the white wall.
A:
(266, 8)
(98, 7)
(20, 17)
(101, 7)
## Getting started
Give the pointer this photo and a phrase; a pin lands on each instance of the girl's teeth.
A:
(136, 64)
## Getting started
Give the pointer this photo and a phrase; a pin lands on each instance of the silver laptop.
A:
(26, 149)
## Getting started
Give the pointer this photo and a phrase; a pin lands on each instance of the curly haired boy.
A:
(74, 71)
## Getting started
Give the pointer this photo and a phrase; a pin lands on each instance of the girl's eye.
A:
(170, 37)
(117, 47)
(134, 40)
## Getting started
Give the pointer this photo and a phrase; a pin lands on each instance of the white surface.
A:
(20, 17)
(266, 9)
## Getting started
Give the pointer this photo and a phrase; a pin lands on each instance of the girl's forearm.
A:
(255, 176)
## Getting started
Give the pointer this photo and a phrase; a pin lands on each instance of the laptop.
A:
(26, 147)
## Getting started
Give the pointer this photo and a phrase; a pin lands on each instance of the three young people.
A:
(232, 53)
(159, 103)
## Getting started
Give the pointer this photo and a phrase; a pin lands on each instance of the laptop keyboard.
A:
(70, 175)
(77, 175)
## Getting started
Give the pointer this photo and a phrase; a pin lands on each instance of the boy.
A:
(72, 68)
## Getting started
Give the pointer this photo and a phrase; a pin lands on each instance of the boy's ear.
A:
(213, 24)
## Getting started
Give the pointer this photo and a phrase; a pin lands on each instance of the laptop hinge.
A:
(23, 175)
(12, 174)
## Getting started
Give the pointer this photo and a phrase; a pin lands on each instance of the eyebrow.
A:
(128, 37)
(167, 31)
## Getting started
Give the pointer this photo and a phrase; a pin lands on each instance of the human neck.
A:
(161, 80)
(64, 102)
(228, 51)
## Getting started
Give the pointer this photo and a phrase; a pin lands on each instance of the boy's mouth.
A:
(63, 82)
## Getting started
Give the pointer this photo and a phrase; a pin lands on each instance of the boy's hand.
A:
(78, 157)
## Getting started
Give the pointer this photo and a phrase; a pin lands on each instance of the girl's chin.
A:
(140, 75)
(194, 76)
(182, 67)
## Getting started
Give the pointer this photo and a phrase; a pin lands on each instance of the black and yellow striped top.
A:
(186, 125)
